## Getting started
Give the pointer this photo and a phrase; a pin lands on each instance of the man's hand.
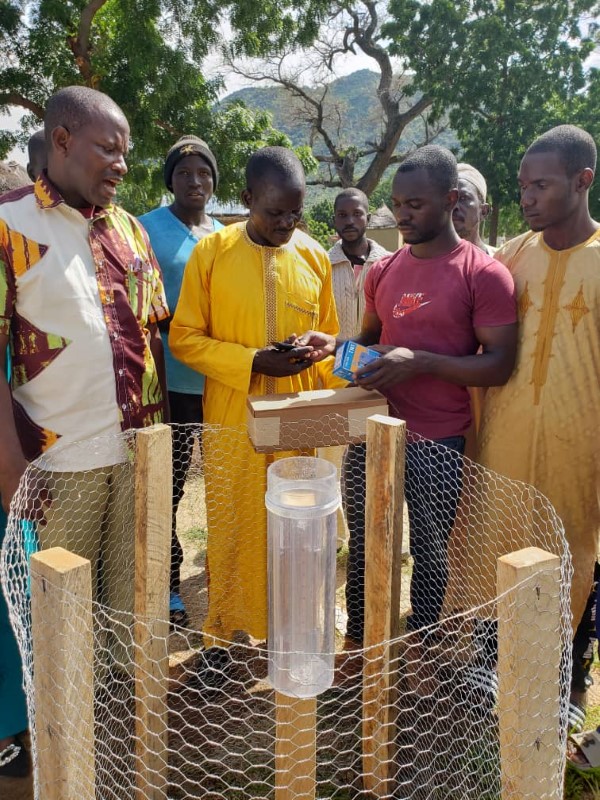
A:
(396, 365)
(281, 364)
(322, 344)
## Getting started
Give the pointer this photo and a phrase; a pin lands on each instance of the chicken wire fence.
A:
(151, 707)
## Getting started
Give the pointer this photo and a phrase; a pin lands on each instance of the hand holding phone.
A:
(283, 347)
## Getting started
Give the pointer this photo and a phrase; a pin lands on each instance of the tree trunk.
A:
(494, 217)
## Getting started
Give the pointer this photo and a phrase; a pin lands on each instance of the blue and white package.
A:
(350, 357)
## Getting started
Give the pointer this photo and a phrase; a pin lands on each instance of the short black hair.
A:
(574, 146)
(74, 106)
(37, 151)
(270, 162)
(352, 192)
(439, 163)
(36, 144)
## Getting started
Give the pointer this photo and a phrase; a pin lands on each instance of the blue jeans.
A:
(433, 485)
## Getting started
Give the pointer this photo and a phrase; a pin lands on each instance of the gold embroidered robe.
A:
(542, 427)
(237, 297)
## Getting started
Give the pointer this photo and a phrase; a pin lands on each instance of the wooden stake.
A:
(63, 641)
(153, 502)
(295, 748)
(386, 439)
(529, 658)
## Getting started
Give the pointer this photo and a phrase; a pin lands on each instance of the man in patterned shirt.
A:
(81, 296)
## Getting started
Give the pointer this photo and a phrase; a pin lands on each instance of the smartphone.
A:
(284, 347)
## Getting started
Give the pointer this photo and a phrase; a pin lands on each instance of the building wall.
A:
(390, 238)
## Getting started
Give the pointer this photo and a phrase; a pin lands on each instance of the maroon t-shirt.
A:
(434, 304)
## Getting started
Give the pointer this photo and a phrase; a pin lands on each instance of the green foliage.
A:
(383, 193)
(511, 222)
(198, 535)
(322, 211)
(7, 141)
(234, 133)
(581, 785)
(321, 231)
(506, 70)
(319, 220)
(147, 55)
(584, 112)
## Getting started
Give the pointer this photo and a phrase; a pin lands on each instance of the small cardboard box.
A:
(306, 420)
(350, 357)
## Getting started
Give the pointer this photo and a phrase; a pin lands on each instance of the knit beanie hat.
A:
(189, 146)
(475, 178)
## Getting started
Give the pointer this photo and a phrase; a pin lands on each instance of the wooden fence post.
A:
(63, 641)
(529, 661)
(153, 503)
(295, 747)
(386, 439)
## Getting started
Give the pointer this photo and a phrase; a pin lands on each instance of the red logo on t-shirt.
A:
(410, 302)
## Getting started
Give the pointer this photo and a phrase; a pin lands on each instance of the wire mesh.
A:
(227, 733)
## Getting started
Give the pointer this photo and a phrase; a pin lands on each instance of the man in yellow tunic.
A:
(542, 426)
(245, 287)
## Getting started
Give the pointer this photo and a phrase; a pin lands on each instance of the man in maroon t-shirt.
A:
(429, 307)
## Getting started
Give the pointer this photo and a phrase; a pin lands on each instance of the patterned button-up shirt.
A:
(78, 290)
(349, 288)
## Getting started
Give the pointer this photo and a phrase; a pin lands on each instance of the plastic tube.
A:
(302, 500)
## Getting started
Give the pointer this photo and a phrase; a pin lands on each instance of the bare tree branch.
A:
(351, 27)
(16, 99)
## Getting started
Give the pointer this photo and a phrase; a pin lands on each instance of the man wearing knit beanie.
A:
(191, 173)
(471, 208)
(189, 146)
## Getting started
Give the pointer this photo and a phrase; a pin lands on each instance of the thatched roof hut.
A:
(12, 176)
(382, 228)
(382, 218)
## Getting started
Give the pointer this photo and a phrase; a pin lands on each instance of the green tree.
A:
(584, 112)
(383, 193)
(306, 67)
(321, 231)
(319, 221)
(322, 211)
(147, 55)
(506, 69)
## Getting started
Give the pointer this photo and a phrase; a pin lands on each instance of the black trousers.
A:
(433, 487)
(185, 410)
(583, 641)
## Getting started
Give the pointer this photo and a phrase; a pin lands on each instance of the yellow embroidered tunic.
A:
(237, 297)
(542, 426)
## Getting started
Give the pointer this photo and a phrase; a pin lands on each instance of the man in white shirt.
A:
(351, 258)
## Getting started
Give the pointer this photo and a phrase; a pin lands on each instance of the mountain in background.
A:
(352, 109)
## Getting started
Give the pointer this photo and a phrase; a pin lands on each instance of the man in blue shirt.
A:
(192, 175)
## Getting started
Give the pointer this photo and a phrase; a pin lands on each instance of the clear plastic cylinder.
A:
(302, 501)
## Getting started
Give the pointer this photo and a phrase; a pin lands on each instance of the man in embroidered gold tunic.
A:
(542, 426)
(245, 287)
